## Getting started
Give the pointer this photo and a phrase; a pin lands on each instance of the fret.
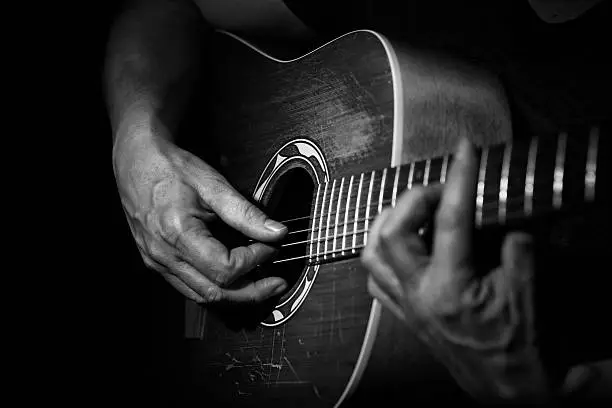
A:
(591, 165)
(314, 217)
(331, 200)
(321, 221)
(530, 176)
(410, 175)
(394, 194)
(357, 212)
(482, 172)
(559, 167)
(382, 190)
(503, 183)
(337, 215)
(346, 214)
(444, 169)
(367, 214)
(426, 175)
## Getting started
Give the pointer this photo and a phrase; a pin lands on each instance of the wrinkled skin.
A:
(170, 198)
(481, 328)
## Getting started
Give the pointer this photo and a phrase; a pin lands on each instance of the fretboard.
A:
(515, 180)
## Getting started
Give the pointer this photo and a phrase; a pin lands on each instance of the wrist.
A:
(137, 131)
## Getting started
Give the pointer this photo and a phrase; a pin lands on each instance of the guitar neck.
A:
(516, 180)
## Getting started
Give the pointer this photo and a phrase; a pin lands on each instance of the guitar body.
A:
(356, 104)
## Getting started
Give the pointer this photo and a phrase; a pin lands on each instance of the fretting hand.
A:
(481, 328)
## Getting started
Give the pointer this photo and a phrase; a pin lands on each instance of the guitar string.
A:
(350, 251)
(485, 207)
(351, 248)
(490, 198)
(338, 236)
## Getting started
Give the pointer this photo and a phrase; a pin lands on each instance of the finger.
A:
(455, 216)
(208, 255)
(517, 252)
(254, 292)
(234, 209)
(371, 259)
(578, 378)
(382, 296)
(413, 209)
(401, 245)
(185, 290)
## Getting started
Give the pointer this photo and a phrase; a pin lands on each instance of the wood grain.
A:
(341, 98)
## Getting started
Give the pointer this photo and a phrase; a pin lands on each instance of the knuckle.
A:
(368, 257)
(249, 212)
(212, 294)
(387, 233)
(224, 271)
(152, 264)
(221, 279)
(171, 228)
(156, 252)
(147, 245)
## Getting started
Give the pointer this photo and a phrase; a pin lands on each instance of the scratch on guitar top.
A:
(291, 368)
(234, 364)
(270, 364)
(259, 370)
(316, 391)
(363, 88)
(292, 382)
(283, 340)
(240, 393)
(246, 338)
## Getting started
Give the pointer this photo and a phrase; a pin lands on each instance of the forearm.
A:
(154, 54)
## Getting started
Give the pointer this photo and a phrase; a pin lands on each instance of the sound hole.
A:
(290, 202)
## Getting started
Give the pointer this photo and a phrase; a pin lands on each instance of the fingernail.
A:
(279, 289)
(274, 226)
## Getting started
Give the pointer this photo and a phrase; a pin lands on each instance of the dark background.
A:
(117, 340)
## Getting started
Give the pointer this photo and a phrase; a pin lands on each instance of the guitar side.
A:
(365, 105)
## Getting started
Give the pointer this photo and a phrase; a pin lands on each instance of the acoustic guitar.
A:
(324, 142)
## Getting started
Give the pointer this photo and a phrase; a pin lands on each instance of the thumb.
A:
(239, 213)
